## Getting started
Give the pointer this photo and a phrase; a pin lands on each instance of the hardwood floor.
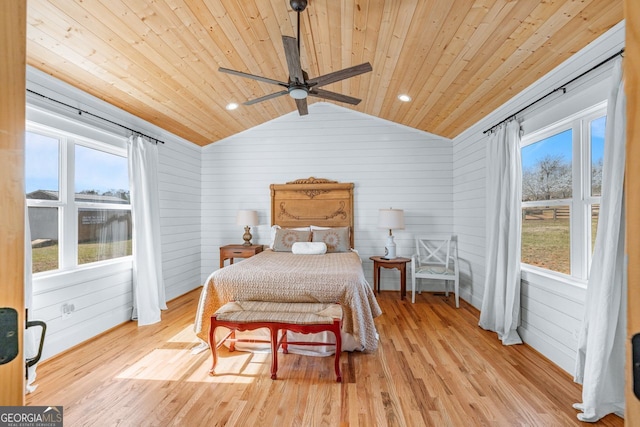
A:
(434, 366)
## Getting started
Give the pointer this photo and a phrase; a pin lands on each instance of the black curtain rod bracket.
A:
(562, 88)
(81, 112)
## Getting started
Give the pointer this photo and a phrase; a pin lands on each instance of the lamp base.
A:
(247, 236)
(390, 248)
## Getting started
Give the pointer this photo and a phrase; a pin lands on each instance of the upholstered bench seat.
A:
(299, 317)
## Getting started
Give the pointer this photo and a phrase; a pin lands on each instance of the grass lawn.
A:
(46, 258)
(546, 242)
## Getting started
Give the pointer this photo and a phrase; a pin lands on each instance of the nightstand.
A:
(237, 251)
(400, 263)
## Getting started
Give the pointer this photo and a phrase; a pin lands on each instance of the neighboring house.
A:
(43, 221)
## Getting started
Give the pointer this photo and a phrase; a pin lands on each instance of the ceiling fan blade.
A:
(293, 59)
(319, 93)
(340, 75)
(264, 98)
(302, 106)
(252, 76)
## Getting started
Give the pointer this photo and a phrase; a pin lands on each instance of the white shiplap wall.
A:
(102, 296)
(179, 187)
(551, 311)
(391, 166)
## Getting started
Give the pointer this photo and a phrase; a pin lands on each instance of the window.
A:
(561, 182)
(78, 200)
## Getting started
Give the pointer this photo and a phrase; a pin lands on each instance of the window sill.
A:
(564, 286)
(47, 282)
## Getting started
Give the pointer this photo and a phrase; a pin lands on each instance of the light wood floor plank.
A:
(434, 367)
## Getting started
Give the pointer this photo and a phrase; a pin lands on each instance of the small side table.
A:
(400, 263)
(229, 252)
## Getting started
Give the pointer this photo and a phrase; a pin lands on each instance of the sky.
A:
(95, 170)
(560, 145)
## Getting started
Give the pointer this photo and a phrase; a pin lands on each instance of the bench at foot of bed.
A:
(299, 317)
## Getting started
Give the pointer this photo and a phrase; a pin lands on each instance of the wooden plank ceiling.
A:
(457, 59)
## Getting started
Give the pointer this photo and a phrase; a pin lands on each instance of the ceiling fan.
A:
(299, 85)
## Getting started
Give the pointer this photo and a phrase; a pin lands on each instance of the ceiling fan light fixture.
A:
(298, 92)
(231, 106)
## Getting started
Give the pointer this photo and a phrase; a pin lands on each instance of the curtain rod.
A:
(562, 88)
(80, 112)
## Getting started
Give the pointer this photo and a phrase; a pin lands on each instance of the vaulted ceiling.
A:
(457, 59)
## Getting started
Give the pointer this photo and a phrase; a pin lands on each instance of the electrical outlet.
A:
(67, 310)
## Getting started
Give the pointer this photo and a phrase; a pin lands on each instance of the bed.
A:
(322, 207)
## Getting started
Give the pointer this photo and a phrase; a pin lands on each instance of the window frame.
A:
(68, 207)
(581, 201)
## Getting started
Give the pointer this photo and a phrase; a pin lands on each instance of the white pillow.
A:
(309, 248)
(275, 228)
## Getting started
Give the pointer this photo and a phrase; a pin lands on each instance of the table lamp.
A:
(247, 218)
(391, 219)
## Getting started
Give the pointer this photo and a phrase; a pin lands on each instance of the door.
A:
(13, 21)
(632, 193)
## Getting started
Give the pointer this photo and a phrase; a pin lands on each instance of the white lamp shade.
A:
(246, 217)
(391, 219)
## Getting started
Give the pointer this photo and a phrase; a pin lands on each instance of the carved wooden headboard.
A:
(313, 201)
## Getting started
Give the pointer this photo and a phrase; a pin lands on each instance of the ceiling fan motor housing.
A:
(298, 5)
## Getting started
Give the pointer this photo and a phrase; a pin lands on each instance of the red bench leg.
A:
(274, 351)
(214, 350)
(214, 346)
(232, 344)
(336, 332)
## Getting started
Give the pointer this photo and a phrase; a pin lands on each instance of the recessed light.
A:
(404, 98)
(231, 106)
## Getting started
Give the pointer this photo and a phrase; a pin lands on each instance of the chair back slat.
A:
(433, 251)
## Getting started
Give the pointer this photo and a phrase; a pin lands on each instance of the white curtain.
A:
(501, 301)
(600, 362)
(112, 234)
(148, 284)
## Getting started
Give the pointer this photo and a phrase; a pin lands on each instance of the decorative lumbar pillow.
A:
(309, 248)
(275, 228)
(336, 238)
(286, 237)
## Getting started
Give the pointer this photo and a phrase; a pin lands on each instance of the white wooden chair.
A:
(435, 258)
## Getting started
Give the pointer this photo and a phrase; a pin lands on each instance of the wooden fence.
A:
(557, 212)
